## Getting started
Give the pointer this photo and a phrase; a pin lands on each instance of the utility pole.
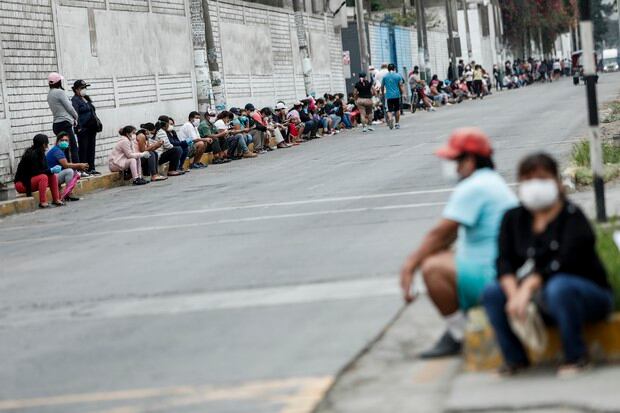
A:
(589, 72)
(304, 50)
(467, 34)
(200, 57)
(214, 69)
(452, 49)
(361, 34)
(422, 38)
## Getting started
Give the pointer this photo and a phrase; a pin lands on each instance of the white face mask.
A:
(196, 122)
(449, 170)
(170, 128)
(82, 92)
(538, 194)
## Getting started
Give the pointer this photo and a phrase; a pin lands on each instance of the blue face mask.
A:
(243, 119)
(63, 145)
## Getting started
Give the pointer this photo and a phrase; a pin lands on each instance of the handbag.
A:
(532, 330)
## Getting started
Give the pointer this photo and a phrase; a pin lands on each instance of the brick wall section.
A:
(29, 54)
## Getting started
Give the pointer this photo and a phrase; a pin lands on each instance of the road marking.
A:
(207, 301)
(295, 395)
(176, 227)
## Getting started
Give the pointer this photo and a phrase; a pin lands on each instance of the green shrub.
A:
(610, 255)
(614, 114)
(581, 153)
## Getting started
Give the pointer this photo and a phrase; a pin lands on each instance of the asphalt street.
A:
(243, 287)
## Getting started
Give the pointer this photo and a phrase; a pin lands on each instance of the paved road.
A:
(245, 287)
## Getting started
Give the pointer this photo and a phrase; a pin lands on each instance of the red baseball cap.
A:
(466, 141)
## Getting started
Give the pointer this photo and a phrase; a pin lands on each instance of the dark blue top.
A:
(85, 111)
(54, 156)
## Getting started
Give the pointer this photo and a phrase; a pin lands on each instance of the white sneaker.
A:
(84, 175)
(397, 126)
(365, 129)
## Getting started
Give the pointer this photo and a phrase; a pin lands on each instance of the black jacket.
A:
(33, 163)
(567, 246)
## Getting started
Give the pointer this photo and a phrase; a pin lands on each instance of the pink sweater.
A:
(122, 151)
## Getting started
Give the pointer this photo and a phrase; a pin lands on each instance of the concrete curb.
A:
(84, 186)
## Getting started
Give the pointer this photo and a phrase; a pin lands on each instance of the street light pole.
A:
(589, 72)
(214, 68)
(361, 34)
(467, 33)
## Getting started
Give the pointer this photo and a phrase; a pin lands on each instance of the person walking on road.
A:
(455, 281)
(88, 125)
(364, 93)
(65, 118)
(392, 87)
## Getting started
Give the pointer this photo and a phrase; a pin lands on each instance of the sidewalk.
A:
(389, 378)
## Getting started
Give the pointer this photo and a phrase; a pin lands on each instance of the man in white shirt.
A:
(197, 145)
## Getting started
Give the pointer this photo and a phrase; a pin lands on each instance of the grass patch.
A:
(610, 255)
(583, 175)
(614, 115)
(581, 153)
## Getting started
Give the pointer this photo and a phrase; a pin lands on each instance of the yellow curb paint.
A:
(305, 393)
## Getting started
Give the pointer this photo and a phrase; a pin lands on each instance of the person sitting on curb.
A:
(168, 152)
(241, 124)
(124, 157)
(273, 130)
(455, 281)
(197, 146)
(173, 138)
(146, 143)
(33, 173)
(296, 126)
(69, 173)
(233, 139)
(216, 141)
(546, 254)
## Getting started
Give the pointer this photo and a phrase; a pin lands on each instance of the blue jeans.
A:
(243, 141)
(347, 121)
(184, 152)
(570, 301)
(335, 121)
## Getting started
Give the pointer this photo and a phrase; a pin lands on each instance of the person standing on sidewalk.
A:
(455, 281)
(392, 87)
(547, 255)
(65, 116)
(88, 125)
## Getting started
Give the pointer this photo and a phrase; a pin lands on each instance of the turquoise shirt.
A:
(478, 204)
(392, 82)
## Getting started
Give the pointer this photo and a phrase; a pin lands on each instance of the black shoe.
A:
(93, 172)
(445, 347)
(71, 198)
(140, 181)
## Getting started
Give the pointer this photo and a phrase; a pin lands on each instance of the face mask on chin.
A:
(538, 194)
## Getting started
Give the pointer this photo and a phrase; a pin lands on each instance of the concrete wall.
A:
(258, 52)
(136, 54)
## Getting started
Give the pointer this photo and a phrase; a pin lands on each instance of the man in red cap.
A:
(472, 217)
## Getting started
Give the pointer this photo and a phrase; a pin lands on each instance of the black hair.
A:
(127, 130)
(391, 67)
(148, 126)
(435, 77)
(193, 114)
(225, 114)
(538, 161)
(57, 85)
(484, 162)
(39, 141)
(320, 100)
(266, 111)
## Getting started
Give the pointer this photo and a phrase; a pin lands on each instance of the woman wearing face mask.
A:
(88, 125)
(167, 151)
(146, 143)
(546, 253)
(124, 157)
(33, 173)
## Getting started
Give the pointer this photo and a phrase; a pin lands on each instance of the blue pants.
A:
(335, 121)
(184, 152)
(570, 301)
(347, 121)
(243, 141)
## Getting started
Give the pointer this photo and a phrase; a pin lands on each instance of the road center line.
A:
(176, 227)
(208, 301)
